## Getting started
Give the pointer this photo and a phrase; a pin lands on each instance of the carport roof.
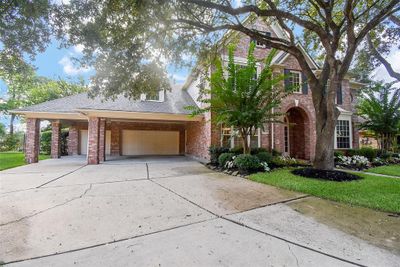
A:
(174, 103)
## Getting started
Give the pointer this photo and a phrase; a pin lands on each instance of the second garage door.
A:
(136, 142)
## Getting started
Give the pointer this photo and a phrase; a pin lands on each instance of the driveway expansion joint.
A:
(55, 179)
(259, 231)
(107, 243)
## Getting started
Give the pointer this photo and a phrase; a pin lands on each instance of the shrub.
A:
(236, 150)
(283, 161)
(215, 152)
(355, 162)
(257, 150)
(276, 153)
(12, 142)
(247, 163)
(45, 142)
(224, 158)
(338, 153)
(368, 152)
(264, 157)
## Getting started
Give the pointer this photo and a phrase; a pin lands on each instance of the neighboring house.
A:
(162, 126)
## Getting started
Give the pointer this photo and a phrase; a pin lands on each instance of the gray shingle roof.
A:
(175, 102)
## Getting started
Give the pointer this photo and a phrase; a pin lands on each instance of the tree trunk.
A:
(12, 118)
(246, 148)
(326, 115)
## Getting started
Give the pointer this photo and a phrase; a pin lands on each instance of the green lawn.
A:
(14, 159)
(374, 192)
(388, 170)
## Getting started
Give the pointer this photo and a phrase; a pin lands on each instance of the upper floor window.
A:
(156, 97)
(260, 44)
(295, 81)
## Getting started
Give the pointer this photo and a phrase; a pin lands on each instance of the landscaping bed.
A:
(338, 176)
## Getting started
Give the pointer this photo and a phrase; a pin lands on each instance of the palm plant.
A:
(380, 108)
(240, 98)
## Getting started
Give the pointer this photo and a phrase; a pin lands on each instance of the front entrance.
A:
(296, 134)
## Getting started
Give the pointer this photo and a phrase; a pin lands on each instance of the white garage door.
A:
(150, 142)
(84, 140)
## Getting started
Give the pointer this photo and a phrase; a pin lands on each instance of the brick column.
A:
(55, 139)
(93, 140)
(182, 142)
(102, 140)
(32, 140)
(115, 139)
(73, 140)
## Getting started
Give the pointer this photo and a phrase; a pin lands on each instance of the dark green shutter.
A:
(339, 95)
(286, 73)
(304, 85)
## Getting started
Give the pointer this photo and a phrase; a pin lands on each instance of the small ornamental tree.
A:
(240, 98)
(380, 109)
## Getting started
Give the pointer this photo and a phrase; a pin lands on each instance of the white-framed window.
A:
(262, 45)
(231, 138)
(226, 136)
(156, 97)
(295, 81)
(343, 133)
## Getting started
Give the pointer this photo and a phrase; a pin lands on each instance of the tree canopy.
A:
(380, 110)
(241, 98)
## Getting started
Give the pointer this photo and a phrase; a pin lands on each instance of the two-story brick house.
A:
(295, 137)
(162, 126)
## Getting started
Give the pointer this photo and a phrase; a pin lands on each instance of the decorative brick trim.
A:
(32, 140)
(55, 139)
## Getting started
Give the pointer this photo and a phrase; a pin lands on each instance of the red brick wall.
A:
(32, 140)
(93, 140)
(199, 138)
(73, 140)
(115, 138)
(102, 140)
(55, 139)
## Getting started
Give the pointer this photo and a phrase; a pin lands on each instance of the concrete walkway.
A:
(175, 212)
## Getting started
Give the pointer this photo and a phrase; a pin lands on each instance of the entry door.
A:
(84, 142)
(136, 142)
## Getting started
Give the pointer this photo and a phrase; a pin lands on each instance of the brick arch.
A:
(300, 129)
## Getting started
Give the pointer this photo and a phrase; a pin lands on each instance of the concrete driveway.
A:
(175, 212)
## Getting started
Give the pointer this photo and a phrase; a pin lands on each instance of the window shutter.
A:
(286, 73)
(268, 34)
(339, 95)
(304, 85)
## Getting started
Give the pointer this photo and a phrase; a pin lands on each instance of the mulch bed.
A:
(337, 176)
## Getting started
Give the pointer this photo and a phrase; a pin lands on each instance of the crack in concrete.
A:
(50, 208)
(147, 171)
(259, 231)
(108, 243)
(294, 255)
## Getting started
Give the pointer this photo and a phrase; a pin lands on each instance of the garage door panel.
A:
(150, 142)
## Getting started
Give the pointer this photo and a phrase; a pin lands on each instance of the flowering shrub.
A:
(230, 164)
(283, 161)
(265, 166)
(378, 162)
(354, 162)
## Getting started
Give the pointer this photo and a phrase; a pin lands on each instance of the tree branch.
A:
(380, 58)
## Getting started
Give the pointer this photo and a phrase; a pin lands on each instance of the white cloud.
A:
(381, 73)
(71, 69)
(78, 48)
(178, 78)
